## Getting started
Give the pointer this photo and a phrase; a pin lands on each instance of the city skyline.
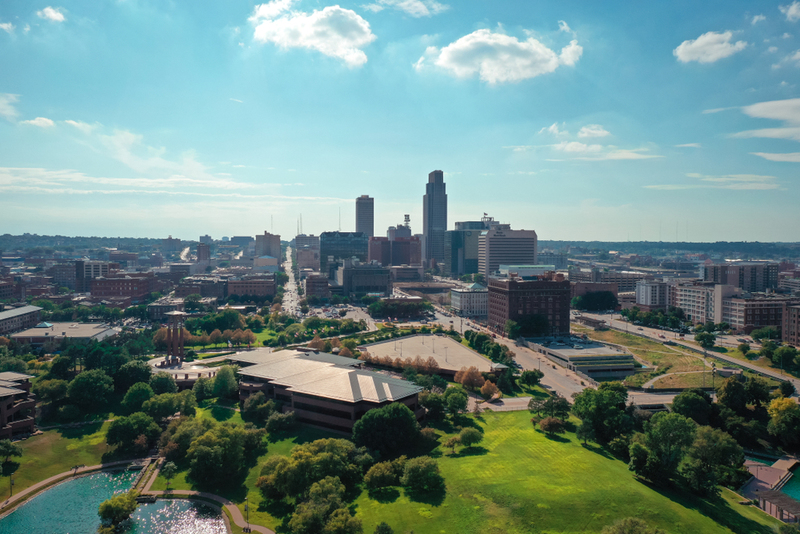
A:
(674, 122)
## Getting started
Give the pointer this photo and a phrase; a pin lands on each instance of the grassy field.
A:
(518, 481)
(56, 451)
(694, 380)
(219, 411)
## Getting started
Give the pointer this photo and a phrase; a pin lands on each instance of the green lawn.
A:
(219, 411)
(56, 451)
(760, 361)
(521, 481)
(694, 380)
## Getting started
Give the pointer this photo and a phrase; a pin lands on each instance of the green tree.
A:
(695, 404)
(556, 406)
(512, 329)
(225, 384)
(434, 403)
(784, 356)
(118, 508)
(552, 425)
(713, 458)
(470, 436)
(136, 396)
(757, 391)
(389, 430)
(784, 421)
(383, 528)
(421, 475)
(744, 348)
(768, 332)
(732, 394)
(381, 475)
(203, 388)
(604, 410)
(705, 339)
(786, 389)
(131, 373)
(257, 409)
(52, 391)
(8, 449)
(456, 400)
(531, 378)
(163, 382)
(161, 407)
(90, 388)
(169, 471)
(124, 431)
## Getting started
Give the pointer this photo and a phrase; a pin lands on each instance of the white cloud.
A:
(415, 8)
(333, 31)
(82, 126)
(553, 129)
(53, 14)
(7, 109)
(236, 100)
(782, 110)
(593, 130)
(772, 49)
(689, 145)
(786, 36)
(792, 11)
(27, 28)
(41, 122)
(757, 19)
(708, 48)
(564, 27)
(498, 58)
(7, 27)
(575, 146)
(619, 154)
(742, 182)
(790, 157)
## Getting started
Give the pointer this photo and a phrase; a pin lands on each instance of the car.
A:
(640, 328)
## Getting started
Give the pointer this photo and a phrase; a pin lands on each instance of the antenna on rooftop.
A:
(340, 218)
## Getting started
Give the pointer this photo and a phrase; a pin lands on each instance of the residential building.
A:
(336, 246)
(791, 325)
(203, 252)
(86, 271)
(171, 244)
(268, 245)
(651, 295)
(748, 276)
(502, 245)
(44, 333)
(470, 301)
(17, 405)
(322, 389)
(365, 215)
(356, 278)
(696, 299)
(519, 300)
(16, 319)
(750, 311)
(434, 218)
(789, 284)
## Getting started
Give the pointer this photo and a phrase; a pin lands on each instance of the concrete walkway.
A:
(232, 509)
(32, 490)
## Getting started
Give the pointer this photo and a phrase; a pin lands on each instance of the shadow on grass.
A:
(597, 449)
(278, 509)
(716, 508)
(221, 414)
(556, 437)
(384, 495)
(9, 468)
(78, 432)
(434, 497)
(470, 451)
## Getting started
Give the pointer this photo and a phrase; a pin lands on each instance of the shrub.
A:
(422, 474)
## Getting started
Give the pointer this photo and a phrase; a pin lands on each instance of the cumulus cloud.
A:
(689, 145)
(792, 11)
(564, 27)
(415, 8)
(498, 58)
(553, 129)
(53, 14)
(82, 126)
(742, 182)
(593, 130)
(708, 48)
(757, 19)
(7, 109)
(333, 31)
(7, 27)
(575, 146)
(41, 122)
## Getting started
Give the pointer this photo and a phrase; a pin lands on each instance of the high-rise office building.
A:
(461, 246)
(365, 215)
(502, 245)
(434, 217)
(203, 252)
(340, 246)
(268, 245)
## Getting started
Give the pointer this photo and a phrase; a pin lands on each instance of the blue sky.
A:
(581, 120)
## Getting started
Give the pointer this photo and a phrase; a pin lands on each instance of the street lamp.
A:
(713, 373)
(247, 513)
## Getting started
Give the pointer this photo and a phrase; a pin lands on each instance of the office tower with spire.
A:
(365, 215)
(434, 217)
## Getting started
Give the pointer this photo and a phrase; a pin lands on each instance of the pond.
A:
(71, 508)
(792, 488)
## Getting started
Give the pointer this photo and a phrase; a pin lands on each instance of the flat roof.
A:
(5, 391)
(16, 312)
(448, 353)
(10, 376)
(589, 349)
(77, 330)
(324, 375)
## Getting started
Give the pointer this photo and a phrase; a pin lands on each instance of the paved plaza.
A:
(449, 354)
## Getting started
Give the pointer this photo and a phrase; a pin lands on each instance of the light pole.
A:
(713, 373)
(247, 513)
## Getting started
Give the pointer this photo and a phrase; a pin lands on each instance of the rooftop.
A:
(16, 312)
(97, 331)
(324, 375)
(448, 353)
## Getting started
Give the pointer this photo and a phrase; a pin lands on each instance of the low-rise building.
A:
(262, 286)
(16, 319)
(316, 284)
(322, 389)
(157, 310)
(17, 405)
(625, 280)
(46, 332)
(651, 295)
(356, 278)
(791, 325)
(136, 286)
(470, 301)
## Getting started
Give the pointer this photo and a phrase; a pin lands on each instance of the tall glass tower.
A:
(434, 217)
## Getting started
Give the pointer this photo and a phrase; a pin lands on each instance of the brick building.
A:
(748, 276)
(17, 405)
(791, 325)
(517, 300)
(316, 284)
(16, 319)
(263, 286)
(136, 286)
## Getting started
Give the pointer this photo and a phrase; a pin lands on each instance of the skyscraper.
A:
(434, 217)
(365, 215)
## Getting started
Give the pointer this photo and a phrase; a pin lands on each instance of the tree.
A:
(118, 508)
(713, 458)
(693, 403)
(732, 394)
(631, 525)
(512, 329)
(257, 409)
(421, 475)
(535, 405)
(382, 475)
(705, 339)
(132, 372)
(784, 356)
(90, 388)
(556, 406)
(225, 384)
(161, 407)
(552, 425)
(657, 453)
(388, 430)
(280, 422)
(757, 391)
(136, 396)
(744, 348)
(383, 528)
(123, 431)
(434, 403)
(456, 400)
(9, 449)
(52, 391)
(604, 411)
(203, 388)
(163, 382)
(169, 471)
(784, 421)
(768, 332)
(452, 442)
(470, 436)
(786, 389)
(489, 389)
(531, 378)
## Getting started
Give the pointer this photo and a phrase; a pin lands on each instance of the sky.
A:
(606, 121)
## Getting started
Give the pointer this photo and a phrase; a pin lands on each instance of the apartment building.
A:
(517, 299)
(471, 301)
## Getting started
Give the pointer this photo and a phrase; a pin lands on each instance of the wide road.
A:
(665, 335)
(291, 300)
